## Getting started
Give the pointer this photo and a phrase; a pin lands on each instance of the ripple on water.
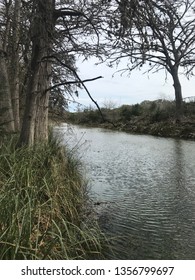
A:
(148, 184)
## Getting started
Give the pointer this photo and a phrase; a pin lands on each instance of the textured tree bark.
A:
(28, 125)
(14, 65)
(34, 127)
(178, 94)
(41, 122)
(6, 112)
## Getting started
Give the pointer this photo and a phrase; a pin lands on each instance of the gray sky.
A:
(127, 89)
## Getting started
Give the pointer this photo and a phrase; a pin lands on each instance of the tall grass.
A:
(42, 212)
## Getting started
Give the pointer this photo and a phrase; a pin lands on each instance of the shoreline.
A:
(183, 130)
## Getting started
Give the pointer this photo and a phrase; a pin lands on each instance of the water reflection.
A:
(146, 189)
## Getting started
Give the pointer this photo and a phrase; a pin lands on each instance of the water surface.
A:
(145, 190)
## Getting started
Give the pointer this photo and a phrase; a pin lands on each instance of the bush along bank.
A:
(42, 205)
(150, 117)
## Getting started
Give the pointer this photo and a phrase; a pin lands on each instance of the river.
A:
(143, 188)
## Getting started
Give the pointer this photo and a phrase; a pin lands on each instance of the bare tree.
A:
(160, 34)
(39, 72)
(40, 43)
(59, 30)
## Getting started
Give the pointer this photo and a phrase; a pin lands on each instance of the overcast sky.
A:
(126, 90)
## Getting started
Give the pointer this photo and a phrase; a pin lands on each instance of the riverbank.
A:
(183, 130)
(43, 198)
(150, 117)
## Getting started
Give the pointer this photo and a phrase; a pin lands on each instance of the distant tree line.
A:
(149, 111)
(149, 117)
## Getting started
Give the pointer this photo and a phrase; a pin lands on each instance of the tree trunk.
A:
(6, 112)
(178, 94)
(36, 99)
(41, 122)
(28, 125)
(14, 64)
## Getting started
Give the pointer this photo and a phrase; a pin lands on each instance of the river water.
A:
(143, 188)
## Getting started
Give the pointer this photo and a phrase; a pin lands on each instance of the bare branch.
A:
(73, 82)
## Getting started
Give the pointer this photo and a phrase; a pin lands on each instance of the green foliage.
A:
(92, 116)
(125, 112)
(189, 108)
(147, 117)
(136, 110)
(161, 110)
(42, 198)
(88, 116)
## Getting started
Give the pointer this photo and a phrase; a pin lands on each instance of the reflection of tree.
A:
(179, 165)
(183, 208)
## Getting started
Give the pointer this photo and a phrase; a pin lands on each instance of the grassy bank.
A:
(42, 205)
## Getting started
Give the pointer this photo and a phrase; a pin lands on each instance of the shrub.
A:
(136, 110)
(125, 112)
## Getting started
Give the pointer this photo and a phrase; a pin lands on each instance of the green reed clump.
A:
(42, 205)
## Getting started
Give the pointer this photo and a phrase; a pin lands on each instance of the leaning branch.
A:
(82, 83)
(73, 82)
